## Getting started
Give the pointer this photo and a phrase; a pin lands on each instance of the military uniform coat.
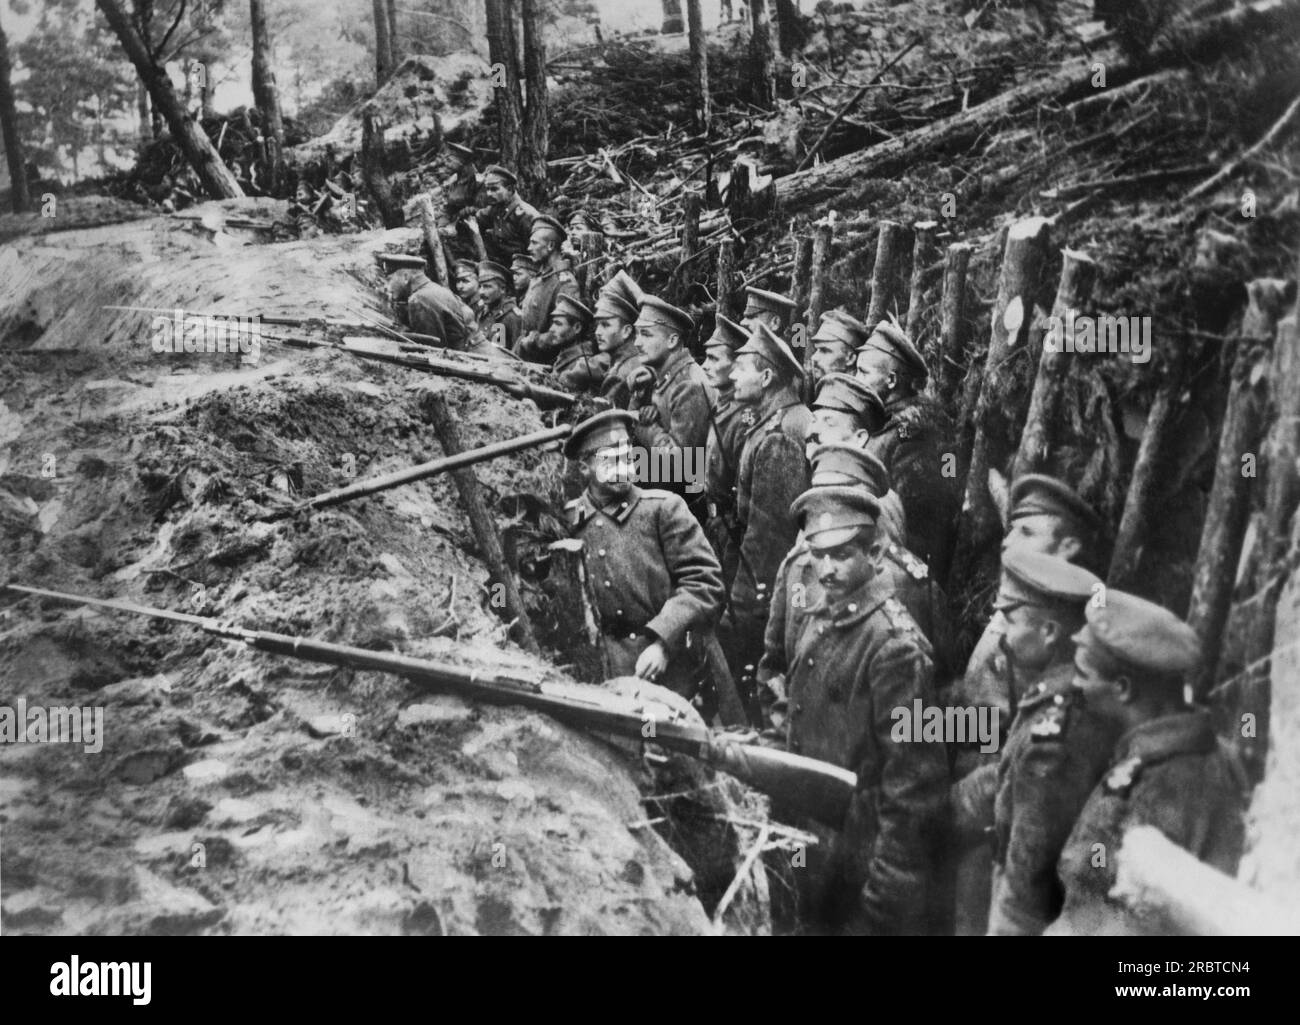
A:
(436, 310)
(1171, 773)
(1056, 752)
(900, 574)
(579, 369)
(854, 663)
(624, 362)
(501, 323)
(771, 474)
(652, 575)
(539, 303)
(683, 400)
(728, 427)
(506, 228)
(911, 445)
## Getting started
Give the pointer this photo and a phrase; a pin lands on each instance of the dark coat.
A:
(652, 575)
(912, 445)
(772, 473)
(579, 369)
(854, 663)
(538, 304)
(436, 310)
(1171, 773)
(501, 324)
(624, 362)
(730, 424)
(506, 228)
(1056, 752)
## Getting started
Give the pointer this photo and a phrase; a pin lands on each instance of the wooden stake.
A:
(801, 283)
(823, 235)
(1229, 504)
(1018, 289)
(726, 301)
(1126, 559)
(690, 245)
(1078, 272)
(885, 271)
(945, 370)
(481, 522)
(922, 257)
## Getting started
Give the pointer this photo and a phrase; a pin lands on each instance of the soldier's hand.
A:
(647, 415)
(652, 663)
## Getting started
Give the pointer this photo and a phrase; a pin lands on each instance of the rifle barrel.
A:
(387, 481)
(813, 788)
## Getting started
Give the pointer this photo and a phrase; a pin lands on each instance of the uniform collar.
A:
(618, 510)
(1056, 680)
(673, 367)
(855, 606)
(772, 405)
(622, 354)
(1187, 732)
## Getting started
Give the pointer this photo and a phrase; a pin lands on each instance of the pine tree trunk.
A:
(505, 79)
(265, 93)
(536, 140)
(762, 59)
(217, 179)
(383, 43)
(9, 128)
(699, 65)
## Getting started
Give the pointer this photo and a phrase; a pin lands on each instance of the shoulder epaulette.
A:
(914, 567)
(1121, 778)
(908, 422)
(1052, 724)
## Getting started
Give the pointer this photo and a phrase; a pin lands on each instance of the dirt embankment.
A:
(236, 792)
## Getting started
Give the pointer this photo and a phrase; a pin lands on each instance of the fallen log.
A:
(1201, 40)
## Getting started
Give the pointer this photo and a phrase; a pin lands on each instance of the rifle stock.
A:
(818, 789)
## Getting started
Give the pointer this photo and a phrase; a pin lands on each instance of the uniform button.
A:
(1058, 700)
(618, 612)
(609, 583)
(812, 661)
(601, 552)
(631, 637)
(794, 746)
(798, 707)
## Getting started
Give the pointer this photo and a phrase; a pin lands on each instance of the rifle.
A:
(383, 482)
(320, 323)
(545, 398)
(816, 788)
